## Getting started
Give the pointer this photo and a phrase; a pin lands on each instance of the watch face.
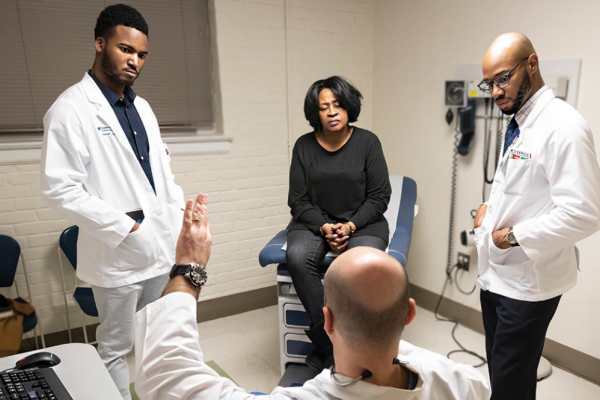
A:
(198, 275)
(511, 238)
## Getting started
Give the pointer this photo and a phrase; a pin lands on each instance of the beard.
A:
(110, 68)
(524, 88)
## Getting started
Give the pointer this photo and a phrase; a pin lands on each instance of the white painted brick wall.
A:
(247, 187)
(330, 37)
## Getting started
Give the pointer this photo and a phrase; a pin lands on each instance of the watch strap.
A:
(179, 270)
(195, 273)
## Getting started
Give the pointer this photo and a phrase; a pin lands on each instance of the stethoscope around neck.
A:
(365, 375)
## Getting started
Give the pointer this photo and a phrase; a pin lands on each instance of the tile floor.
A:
(246, 346)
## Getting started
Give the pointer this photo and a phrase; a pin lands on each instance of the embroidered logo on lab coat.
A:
(105, 130)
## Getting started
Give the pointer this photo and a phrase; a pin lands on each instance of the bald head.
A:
(367, 292)
(509, 47)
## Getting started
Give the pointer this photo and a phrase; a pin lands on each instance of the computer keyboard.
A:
(32, 384)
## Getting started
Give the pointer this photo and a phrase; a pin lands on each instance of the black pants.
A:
(515, 331)
(304, 253)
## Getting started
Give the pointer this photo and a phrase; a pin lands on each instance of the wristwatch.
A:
(510, 237)
(195, 273)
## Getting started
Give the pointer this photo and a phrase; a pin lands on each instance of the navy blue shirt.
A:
(131, 123)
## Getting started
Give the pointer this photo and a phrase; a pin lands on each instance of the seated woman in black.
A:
(339, 190)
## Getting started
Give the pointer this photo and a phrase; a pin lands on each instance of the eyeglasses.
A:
(503, 81)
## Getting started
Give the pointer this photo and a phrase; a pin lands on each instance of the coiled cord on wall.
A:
(453, 180)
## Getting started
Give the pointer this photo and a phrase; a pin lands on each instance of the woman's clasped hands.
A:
(337, 235)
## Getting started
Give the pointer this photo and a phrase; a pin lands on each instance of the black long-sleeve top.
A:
(350, 184)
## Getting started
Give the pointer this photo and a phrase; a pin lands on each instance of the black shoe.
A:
(315, 361)
(322, 356)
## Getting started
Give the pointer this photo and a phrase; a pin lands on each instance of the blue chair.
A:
(11, 253)
(293, 319)
(82, 295)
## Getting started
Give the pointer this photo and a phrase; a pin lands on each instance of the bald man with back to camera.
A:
(367, 307)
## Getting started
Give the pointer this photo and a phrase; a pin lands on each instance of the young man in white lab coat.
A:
(367, 305)
(545, 198)
(105, 169)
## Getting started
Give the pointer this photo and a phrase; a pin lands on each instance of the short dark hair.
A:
(363, 325)
(346, 94)
(119, 14)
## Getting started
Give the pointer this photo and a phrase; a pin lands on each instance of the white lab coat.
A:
(170, 365)
(91, 177)
(552, 201)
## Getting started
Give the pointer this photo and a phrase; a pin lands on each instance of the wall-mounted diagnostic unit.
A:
(456, 94)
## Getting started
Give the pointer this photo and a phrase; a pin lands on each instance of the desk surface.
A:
(81, 371)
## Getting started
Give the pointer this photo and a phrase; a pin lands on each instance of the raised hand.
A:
(195, 239)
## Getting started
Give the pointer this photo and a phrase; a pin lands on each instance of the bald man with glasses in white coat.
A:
(545, 198)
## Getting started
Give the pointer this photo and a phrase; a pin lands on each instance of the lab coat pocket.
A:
(138, 249)
(508, 263)
(517, 177)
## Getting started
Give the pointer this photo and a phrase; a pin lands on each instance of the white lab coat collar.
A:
(106, 112)
(364, 390)
(540, 103)
(92, 91)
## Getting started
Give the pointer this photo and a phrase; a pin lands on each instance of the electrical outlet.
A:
(462, 261)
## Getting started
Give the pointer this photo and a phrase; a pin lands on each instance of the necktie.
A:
(512, 131)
